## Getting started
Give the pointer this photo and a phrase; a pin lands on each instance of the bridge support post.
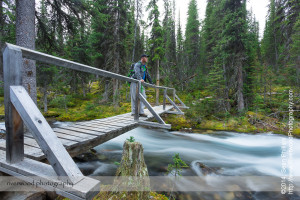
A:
(174, 94)
(12, 71)
(137, 100)
(175, 106)
(165, 94)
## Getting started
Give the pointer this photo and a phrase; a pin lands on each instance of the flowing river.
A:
(227, 153)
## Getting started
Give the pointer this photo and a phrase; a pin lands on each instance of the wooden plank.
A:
(101, 139)
(106, 128)
(69, 137)
(155, 125)
(78, 134)
(123, 118)
(29, 151)
(55, 152)
(174, 112)
(65, 143)
(116, 120)
(103, 125)
(65, 137)
(33, 171)
(12, 71)
(157, 117)
(96, 133)
(103, 128)
(175, 106)
(113, 124)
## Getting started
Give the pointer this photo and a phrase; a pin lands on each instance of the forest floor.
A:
(199, 119)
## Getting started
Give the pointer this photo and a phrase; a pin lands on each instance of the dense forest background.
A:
(219, 64)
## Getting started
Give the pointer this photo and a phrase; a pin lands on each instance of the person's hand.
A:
(142, 80)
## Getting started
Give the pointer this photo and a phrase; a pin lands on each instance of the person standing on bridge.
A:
(141, 74)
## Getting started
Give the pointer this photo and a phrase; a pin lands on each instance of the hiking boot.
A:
(143, 115)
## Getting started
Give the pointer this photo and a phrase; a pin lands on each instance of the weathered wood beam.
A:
(182, 104)
(12, 71)
(155, 125)
(33, 171)
(164, 102)
(174, 93)
(45, 58)
(137, 101)
(35, 55)
(55, 152)
(173, 104)
(174, 112)
(157, 117)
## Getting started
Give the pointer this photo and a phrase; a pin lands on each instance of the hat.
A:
(144, 55)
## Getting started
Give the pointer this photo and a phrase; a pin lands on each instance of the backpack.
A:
(131, 70)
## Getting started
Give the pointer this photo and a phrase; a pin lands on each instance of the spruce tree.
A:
(155, 42)
(192, 39)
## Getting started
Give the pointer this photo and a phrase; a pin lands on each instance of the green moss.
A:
(51, 113)
(297, 131)
(106, 194)
(2, 109)
(178, 122)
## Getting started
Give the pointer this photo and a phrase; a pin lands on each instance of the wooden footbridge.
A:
(25, 155)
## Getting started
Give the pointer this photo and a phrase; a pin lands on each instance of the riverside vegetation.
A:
(201, 117)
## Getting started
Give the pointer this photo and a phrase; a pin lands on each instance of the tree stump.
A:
(132, 175)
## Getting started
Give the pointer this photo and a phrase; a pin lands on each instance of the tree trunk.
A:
(116, 91)
(25, 37)
(106, 90)
(1, 42)
(134, 170)
(135, 29)
(45, 95)
(157, 83)
(65, 103)
(116, 57)
(240, 96)
(83, 86)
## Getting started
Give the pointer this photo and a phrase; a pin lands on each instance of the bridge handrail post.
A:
(137, 100)
(12, 71)
(164, 102)
(174, 94)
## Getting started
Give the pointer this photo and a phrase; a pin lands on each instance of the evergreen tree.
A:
(169, 60)
(180, 55)
(270, 42)
(8, 28)
(234, 47)
(192, 39)
(155, 42)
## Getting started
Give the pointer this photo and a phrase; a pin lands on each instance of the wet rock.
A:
(90, 156)
(208, 170)
(37, 196)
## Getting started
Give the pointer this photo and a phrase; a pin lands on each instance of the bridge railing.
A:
(49, 59)
(20, 108)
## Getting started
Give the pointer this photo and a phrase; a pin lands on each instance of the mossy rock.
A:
(51, 113)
